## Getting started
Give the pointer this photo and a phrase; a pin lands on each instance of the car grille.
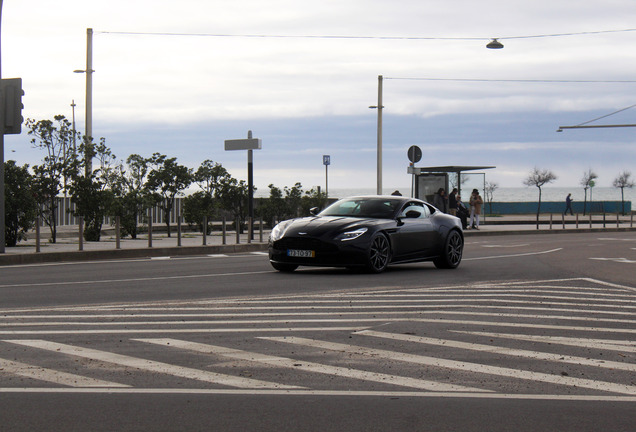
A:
(304, 243)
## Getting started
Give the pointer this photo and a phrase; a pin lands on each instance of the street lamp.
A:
(379, 107)
(89, 100)
(493, 44)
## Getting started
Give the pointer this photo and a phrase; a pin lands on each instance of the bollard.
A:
(150, 229)
(224, 229)
(618, 221)
(577, 221)
(550, 221)
(205, 230)
(179, 230)
(81, 233)
(537, 220)
(563, 220)
(117, 233)
(37, 234)
(603, 220)
(238, 230)
(250, 229)
(590, 220)
(260, 229)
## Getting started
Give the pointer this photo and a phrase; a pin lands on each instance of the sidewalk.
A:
(67, 247)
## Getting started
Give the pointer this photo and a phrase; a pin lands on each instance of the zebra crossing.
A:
(554, 339)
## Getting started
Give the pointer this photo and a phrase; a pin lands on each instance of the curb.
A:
(110, 254)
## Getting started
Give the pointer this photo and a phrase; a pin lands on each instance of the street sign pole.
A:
(248, 144)
(326, 161)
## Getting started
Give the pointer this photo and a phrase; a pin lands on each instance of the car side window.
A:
(415, 210)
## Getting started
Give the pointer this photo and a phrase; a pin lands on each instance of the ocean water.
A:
(518, 194)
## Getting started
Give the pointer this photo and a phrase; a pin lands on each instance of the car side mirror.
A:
(313, 211)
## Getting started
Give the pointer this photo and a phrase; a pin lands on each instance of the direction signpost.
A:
(248, 144)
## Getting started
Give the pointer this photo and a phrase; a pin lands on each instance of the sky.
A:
(180, 78)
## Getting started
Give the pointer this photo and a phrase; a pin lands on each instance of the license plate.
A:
(301, 253)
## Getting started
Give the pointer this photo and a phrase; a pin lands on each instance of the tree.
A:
(167, 178)
(274, 208)
(233, 195)
(55, 137)
(131, 194)
(21, 208)
(313, 198)
(489, 191)
(587, 181)
(201, 204)
(92, 191)
(623, 181)
(539, 178)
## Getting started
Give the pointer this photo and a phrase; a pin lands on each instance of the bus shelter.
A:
(428, 180)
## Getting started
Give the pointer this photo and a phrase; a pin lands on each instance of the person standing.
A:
(440, 200)
(475, 208)
(452, 202)
(568, 205)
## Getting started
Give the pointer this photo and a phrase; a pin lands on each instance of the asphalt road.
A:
(530, 333)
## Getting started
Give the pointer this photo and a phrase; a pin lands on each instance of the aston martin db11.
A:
(368, 232)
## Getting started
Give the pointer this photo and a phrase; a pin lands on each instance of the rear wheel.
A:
(452, 252)
(287, 268)
(379, 254)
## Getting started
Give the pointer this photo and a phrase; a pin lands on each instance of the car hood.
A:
(318, 226)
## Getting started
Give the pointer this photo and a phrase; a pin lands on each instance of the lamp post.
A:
(89, 100)
(379, 107)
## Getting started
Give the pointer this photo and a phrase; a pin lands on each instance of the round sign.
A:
(415, 154)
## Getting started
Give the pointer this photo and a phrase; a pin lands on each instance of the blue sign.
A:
(326, 160)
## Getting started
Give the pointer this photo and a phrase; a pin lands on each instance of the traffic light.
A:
(12, 105)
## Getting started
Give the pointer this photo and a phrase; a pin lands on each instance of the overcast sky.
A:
(183, 95)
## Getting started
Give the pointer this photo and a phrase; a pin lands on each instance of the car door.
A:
(416, 236)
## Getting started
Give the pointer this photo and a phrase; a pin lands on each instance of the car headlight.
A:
(352, 235)
(279, 231)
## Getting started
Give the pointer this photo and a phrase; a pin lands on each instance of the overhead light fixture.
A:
(494, 44)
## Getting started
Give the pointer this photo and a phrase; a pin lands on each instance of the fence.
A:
(64, 214)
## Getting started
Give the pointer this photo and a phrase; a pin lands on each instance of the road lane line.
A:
(462, 366)
(146, 279)
(52, 376)
(321, 393)
(164, 331)
(150, 365)
(512, 255)
(603, 344)
(493, 349)
(307, 366)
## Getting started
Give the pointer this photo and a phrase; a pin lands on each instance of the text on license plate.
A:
(301, 253)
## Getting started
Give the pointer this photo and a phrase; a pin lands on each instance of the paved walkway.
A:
(67, 247)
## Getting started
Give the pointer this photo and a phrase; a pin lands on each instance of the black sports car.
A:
(370, 232)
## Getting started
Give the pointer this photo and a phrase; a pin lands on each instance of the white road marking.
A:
(603, 344)
(322, 393)
(306, 366)
(463, 366)
(260, 253)
(218, 256)
(52, 376)
(512, 255)
(160, 258)
(164, 331)
(106, 281)
(618, 260)
(150, 365)
(536, 355)
(505, 246)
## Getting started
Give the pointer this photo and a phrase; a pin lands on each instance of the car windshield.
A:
(377, 208)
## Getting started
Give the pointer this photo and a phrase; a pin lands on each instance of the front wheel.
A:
(379, 254)
(287, 268)
(452, 253)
